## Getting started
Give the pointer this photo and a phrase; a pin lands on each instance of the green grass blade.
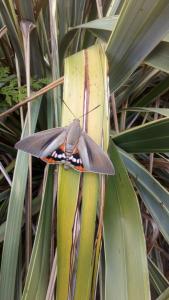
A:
(147, 138)
(141, 26)
(100, 28)
(157, 91)
(38, 272)
(158, 58)
(160, 111)
(55, 64)
(35, 209)
(14, 217)
(19, 283)
(107, 23)
(125, 251)
(154, 195)
(157, 279)
(13, 34)
(164, 295)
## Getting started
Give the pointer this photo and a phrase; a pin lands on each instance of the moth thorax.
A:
(69, 149)
(73, 134)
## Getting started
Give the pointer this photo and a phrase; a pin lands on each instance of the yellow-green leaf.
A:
(85, 87)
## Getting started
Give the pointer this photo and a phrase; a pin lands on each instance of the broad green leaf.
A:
(97, 80)
(125, 251)
(153, 194)
(159, 57)
(90, 64)
(141, 26)
(68, 183)
(150, 137)
(38, 273)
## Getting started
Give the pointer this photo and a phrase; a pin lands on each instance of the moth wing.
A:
(94, 159)
(41, 144)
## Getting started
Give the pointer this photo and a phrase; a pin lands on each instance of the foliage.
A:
(92, 253)
(10, 92)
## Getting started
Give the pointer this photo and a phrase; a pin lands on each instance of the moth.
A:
(70, 146)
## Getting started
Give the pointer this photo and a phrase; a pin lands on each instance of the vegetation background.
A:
(90, 251)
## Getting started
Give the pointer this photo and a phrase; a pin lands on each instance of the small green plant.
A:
(4, 75)
(10, 92)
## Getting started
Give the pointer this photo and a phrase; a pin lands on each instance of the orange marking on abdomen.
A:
(49, 160)
(80, 168)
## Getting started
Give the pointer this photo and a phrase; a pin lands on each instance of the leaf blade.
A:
(123, 228)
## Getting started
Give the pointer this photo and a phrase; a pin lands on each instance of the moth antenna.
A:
(89, 111)
(69, 108)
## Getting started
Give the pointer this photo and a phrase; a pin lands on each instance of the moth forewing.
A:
(93, 157)
(53, 144)
(83, 151)
(38, 142)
